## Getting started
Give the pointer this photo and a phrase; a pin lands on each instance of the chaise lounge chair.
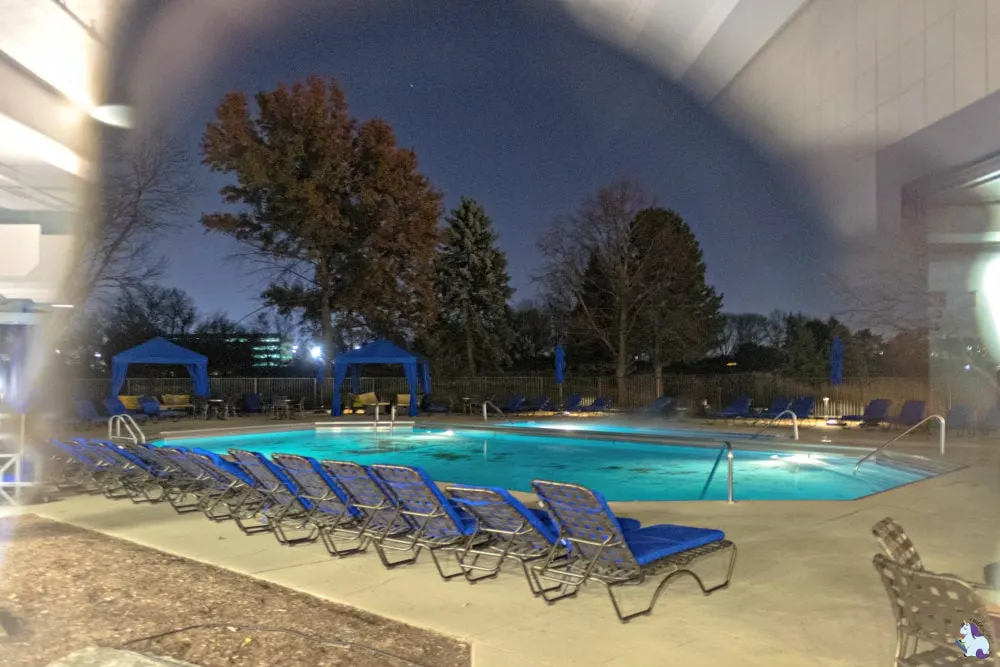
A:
(600, 404)
(778, 405)
(86, 413)
(911, 414)
(152, 409)
(381, 516)
(226, 492)
(876, 413)
(572, 403)
(114, 406)
(332, 515)
(738, 409)
(601, 551)
(439, 525)
(960, 420)
(539, 404)
(517, 532)
(284, 508)
(991, 422)
(660, 407)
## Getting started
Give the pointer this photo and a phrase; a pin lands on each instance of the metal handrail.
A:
(941, 439)
(795, 424)
(115, 423)
(728, 450)
(490, 404)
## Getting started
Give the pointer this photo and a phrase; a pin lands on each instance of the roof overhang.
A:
(703, 43)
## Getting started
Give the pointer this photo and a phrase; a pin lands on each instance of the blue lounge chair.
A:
(911, 414)
(659, 407)
(991, 422)
(601, 551)
(226, 492)
(332, 514)
(803, 407)
(152, 409)
(738, 409)
(517, 532)
(778, 405)
(539, 404)
(876, 413)
(97, 473)
(114, 406)
(86, 413)
(139, 482)
(436, 406)
(572, 403)
(285, 508)
(439, 524)
(960, 420)
(382, 518)
(600, 404)
(515, 405)
(252, 403)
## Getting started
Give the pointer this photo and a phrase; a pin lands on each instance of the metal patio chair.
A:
(930, 610)
(896, 545)
(602, 551)
(284, 509)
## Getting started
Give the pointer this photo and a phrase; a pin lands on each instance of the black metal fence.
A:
(831, 400)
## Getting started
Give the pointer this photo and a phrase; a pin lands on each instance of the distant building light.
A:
(97, 355)
(730, 363)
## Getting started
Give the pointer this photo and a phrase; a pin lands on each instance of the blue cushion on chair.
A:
(656, 542)
(627, 524)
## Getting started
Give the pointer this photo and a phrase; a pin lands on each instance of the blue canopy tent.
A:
(415, 368)
(161, 351)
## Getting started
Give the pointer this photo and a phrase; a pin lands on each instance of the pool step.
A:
(352, 425)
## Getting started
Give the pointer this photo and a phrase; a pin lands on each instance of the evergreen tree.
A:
(474, 288)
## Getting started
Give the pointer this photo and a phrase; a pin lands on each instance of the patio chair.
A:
(896, 544)
(439, 525)
(931, 609)
(226, 492)
(283, 508)
(603, 552)
(87, 414)
(517, 532)
(332, 513)
(514, 405)
(600, 404)
(152, 409)
(911, 414)
(738, 409)
(253, 404)
(139, 482)
(99, 475)
(572, 403)
(539, 404)
(114, 406)
(876, 413)
(803, 406)
(960, 420)
(180, 484)
(382, 518)
(436, 405)
(778, 405)
(659, 407)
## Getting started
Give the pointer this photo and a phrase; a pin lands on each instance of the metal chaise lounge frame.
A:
(333, 515)
(898, 547)
(437, 523)
(135, 478)
(382, 519)
(98, 474)
(178, 484)
(931, 608)
(225, 496)
(516, 532)
(283, 507)
(579, 513)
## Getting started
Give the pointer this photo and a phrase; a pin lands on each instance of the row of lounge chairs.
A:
(400, 512)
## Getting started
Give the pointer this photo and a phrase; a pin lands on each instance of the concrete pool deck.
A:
(804, 591)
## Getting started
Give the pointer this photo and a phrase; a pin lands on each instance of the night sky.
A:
(519, 108)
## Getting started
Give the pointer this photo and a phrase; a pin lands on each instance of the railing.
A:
(795, 424)
(726, 449)
(489, 404)
(132, 431)
(941, 439)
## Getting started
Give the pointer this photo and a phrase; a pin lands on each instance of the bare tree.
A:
(884, 286)
(145, 185)
(591, 266)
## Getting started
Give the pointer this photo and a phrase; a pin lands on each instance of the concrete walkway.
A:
(804, 591)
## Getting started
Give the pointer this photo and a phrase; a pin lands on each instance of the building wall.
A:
(847, 78)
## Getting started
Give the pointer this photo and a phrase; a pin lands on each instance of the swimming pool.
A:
(621, 470)
(596, 426)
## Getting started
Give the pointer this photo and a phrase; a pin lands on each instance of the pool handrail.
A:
(728, 450)
(795, 424)
(490, 404)
(941, 439)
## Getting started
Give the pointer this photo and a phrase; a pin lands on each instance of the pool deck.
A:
(804, 591)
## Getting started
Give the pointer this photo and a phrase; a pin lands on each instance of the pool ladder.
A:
(132, 433)
(795, 424)
(490, 404)
(726, 449)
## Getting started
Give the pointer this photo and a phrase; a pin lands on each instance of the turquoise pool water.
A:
(597, 426)
(620, 470)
